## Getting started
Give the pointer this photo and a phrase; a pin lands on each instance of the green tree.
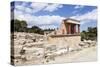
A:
(18, 26)
(90, 34)
(21, 26)
(35, 29)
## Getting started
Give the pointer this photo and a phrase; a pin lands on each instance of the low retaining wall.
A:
(71, 41)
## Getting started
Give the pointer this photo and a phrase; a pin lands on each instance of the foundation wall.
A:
(69, 41)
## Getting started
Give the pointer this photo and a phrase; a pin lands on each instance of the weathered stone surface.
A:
(26, 47)
(66, 41)
(30, 48)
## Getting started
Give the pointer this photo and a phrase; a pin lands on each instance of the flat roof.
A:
(70, 20)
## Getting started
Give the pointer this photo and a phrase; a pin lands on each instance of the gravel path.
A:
(87, 54)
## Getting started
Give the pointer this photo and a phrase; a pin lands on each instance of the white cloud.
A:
(36, 7)
(23, 8)
(28, 10)
(87, 17)
(79, 6)
(53, 7)
(17, 14)
(39, 20)
(45, 7)
(49, 26)
(20, 7)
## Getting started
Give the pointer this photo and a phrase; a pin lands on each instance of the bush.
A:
(90, 34)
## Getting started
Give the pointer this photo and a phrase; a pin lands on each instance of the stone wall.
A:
(70, 41)
(62, 29)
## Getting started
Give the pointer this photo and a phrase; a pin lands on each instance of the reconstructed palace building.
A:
(69, 26)
(68, 33)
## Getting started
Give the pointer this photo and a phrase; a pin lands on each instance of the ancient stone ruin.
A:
(32, 48)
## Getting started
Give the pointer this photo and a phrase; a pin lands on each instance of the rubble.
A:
(87, 43)
(26, 47)
(31, 48)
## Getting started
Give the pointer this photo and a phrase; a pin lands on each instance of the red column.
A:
(63, 31)
(69, 29)
(75, 28)
(78, 28)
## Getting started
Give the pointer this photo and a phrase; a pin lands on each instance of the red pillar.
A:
(69, 29)
(78, 28)
(75, 28)
(63, 31)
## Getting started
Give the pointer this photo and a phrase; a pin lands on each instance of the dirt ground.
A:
(85, 55)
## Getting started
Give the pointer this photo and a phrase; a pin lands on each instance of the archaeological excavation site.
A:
(48, 38)
(53, 47)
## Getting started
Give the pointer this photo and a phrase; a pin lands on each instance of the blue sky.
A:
(50, 15)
